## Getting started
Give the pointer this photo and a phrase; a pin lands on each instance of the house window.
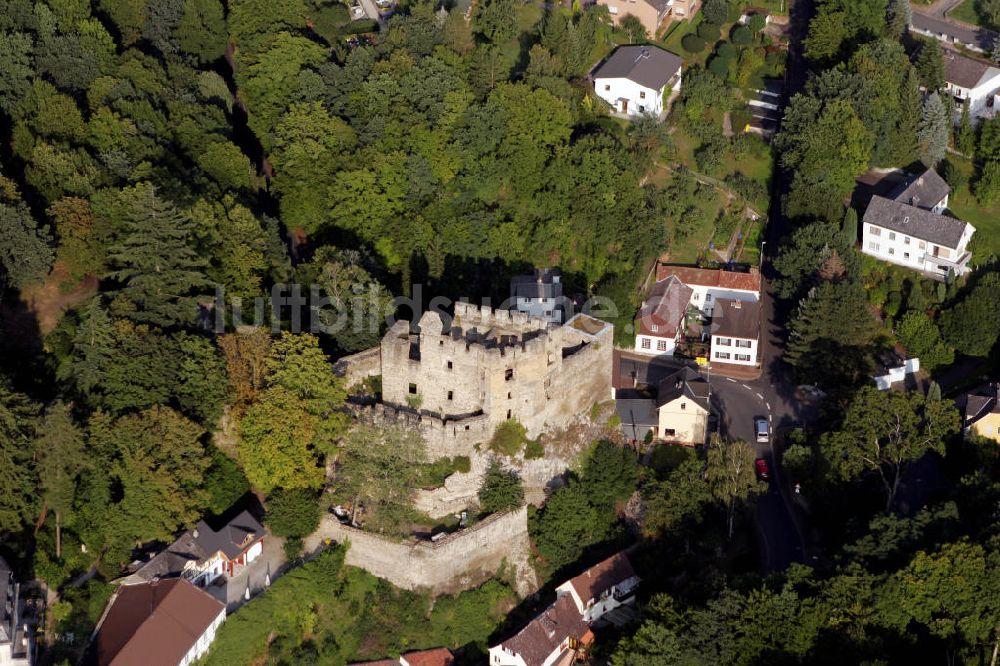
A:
(906, 240)
(645, 343)
(451, 395)
(722, 355)
(743, 343)
(684, 405)
(509, 374)
(724, 342)
(544, 301)
(892, 251)
(873, 246)
(708, 298)
(892, 235)
(642, 95)
(875, 231)
(548, 313)
(607, 87)
(655, 328)
(661, 345)
(906, 255)
(413, 389)
(922, 245)
(642, 109)
(696, 297)
(743, 357)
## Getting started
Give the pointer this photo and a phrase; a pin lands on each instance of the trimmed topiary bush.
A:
(708, 31)
(693, 43)
(726, 50)
(741, 35)
(719, 66)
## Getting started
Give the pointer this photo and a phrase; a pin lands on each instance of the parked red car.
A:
(763, 470)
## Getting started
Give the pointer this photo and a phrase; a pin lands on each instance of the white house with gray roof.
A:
(973, 81)
(910, 229)
(635, 78)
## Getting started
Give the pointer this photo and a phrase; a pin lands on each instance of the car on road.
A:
(762, 429)
(763, 469)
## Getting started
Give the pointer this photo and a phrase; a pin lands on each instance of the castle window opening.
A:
(508, 414)
(509, 395)
(449, 365)
(413, 389)
(451, 395)
(509, 375)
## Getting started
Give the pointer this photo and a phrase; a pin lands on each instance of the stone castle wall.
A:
(356, 368)
(458, 561)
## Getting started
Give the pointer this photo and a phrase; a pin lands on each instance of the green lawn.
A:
(773, 6)
(967, 13)
(964, 206)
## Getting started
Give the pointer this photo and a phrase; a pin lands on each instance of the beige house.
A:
(683, 404)
(652, 13)
(982, 414)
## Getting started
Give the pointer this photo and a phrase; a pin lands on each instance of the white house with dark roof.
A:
(603, 588)
(683, 405)
(735, 332)
(974, 81)
(953, 32)
(634, 79)
(539, 294)
(555, 637)
(662, 317)
(909, 229)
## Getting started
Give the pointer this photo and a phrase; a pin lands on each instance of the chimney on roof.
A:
(737, 305)
(195, 533)
(906, 220)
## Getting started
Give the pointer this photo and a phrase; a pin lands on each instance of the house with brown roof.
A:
(203, 554)
(163, 623)
(972, 81)
(556, 637)
(710, 284)
(434, 657)
(735, 333)
(603, 588)
(662, 317)
(982, 413)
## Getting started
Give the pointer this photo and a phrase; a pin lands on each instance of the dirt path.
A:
(49, 300)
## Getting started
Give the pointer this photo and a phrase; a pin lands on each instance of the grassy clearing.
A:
(967, 13)
(964, 206)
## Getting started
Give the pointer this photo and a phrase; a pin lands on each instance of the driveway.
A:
(270, 564)
(939, 8)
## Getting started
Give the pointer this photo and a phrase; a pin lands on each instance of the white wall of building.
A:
(654, 346)
(979, 97)
(640, 98)
(541, 308)
(605, 604)
(738, 351)
(704, 297)
(204, 641)
(904, 250)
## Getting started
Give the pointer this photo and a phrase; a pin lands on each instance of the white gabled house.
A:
(635, 79)
(735, 332)
(910, 229)
(973, 81)
(539, 294)
(602, 588)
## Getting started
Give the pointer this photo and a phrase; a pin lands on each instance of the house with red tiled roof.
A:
(662, 318)
(434, 657)
(602, 588)
(556, 637)
(708, 285)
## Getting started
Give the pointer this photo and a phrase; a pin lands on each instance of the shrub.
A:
(693, 43)
(952, 175)
(719, 66)
(533, 449)
(293, 513)
(501, 489)
(726, 50)
(708, 31)
(292, 547)
(509, 438)
(741, 35)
